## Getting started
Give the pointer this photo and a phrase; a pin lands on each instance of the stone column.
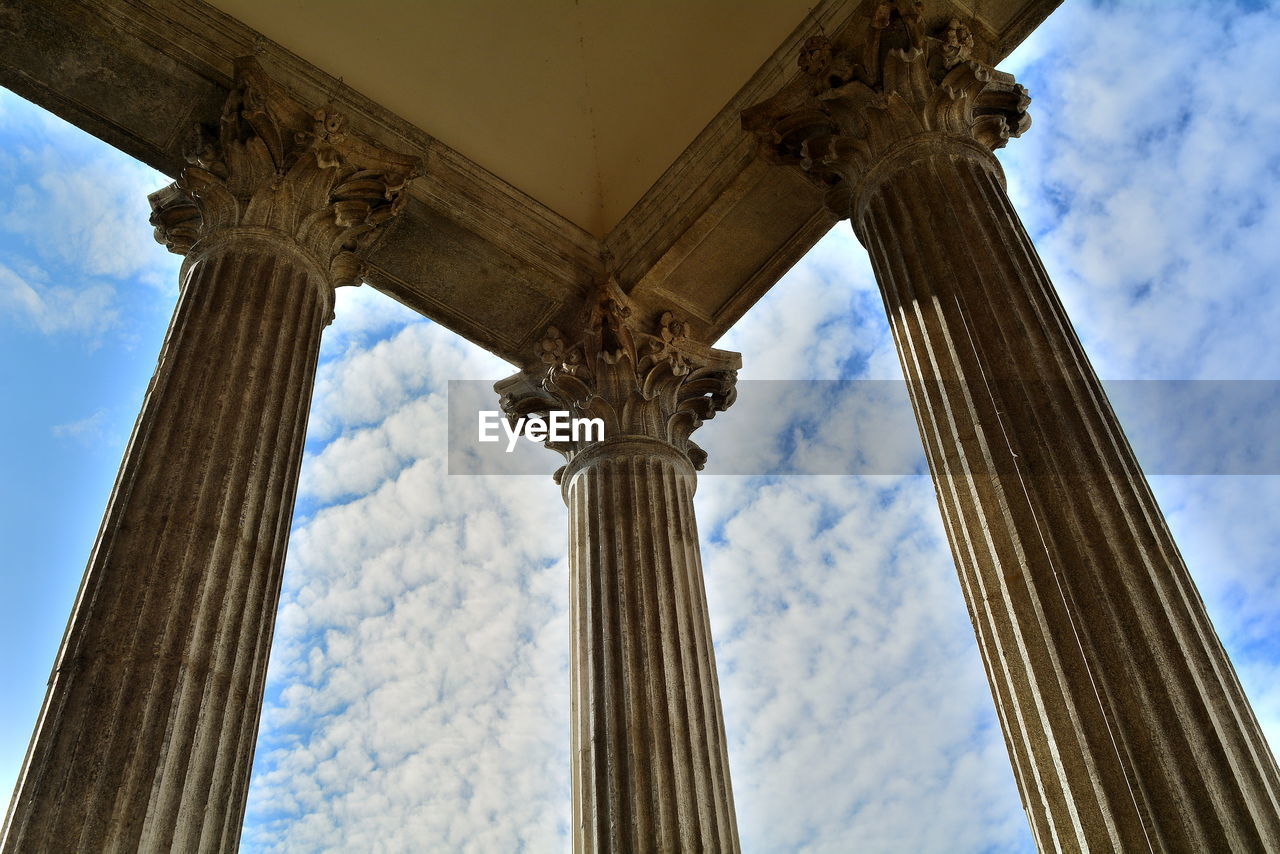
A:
(1125, 722)
(146, 738)
(650, 768)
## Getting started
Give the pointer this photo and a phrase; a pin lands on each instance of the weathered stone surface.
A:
(650, 767)
(146, 738)
(1125, 722)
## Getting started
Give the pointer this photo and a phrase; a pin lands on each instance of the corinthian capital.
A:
(275, 168)
(856, 107)
(642, 377)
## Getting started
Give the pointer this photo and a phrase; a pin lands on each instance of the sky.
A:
(418, 692)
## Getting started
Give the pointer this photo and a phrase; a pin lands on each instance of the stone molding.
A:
(858, 110)
(279, 173)
(644, 380)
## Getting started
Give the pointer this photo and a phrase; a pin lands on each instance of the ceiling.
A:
(581, 104)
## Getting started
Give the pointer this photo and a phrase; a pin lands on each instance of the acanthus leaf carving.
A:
(641, 379)
(277, 167)
(853, 106)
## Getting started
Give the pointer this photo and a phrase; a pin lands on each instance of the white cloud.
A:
(419, 670)
(824, 320)
(82, 210)
(90, 309)
(363, 385)
(366, 314)
(1155, 130)
(358, 461)
(87, 430)
(81, 207)
(853, 694)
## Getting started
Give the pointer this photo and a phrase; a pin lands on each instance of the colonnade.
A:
(1125, 722)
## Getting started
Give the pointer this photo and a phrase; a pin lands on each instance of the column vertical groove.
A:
(658, 732)
(1036, 324)
(1189, 598)
(196, 670)
(691, 799)
(226, 636)
(654, 632)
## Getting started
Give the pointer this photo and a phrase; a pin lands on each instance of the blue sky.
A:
(418, 691)
(84, 302)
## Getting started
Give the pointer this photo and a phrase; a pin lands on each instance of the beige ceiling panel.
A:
(581, 105)
(499, 80)
(659, 70)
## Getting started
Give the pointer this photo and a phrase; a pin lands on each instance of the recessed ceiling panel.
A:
(581, 105)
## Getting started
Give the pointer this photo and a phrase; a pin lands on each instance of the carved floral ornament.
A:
(648, 380)
(854, 106)
(277, 167)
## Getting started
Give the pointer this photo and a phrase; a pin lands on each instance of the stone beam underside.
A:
(711, 236)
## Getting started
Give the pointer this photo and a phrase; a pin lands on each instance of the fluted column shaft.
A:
(146, 738)
(145, 741)
(650, 767)
(1125, 721)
